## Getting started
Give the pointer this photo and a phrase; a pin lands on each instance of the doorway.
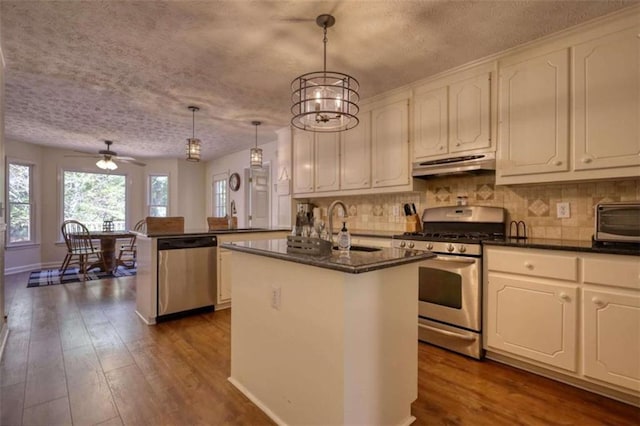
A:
(258, 197)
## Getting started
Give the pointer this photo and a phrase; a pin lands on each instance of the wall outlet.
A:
(563, 210)
(396, 210)
(276, 297)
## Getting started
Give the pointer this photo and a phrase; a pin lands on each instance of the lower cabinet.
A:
(574, 314)
(534, 319)
(224, 276)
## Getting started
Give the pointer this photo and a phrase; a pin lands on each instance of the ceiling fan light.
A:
(193, 149)
(106, 164)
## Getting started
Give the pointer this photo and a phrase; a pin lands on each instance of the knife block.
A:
(413, 224)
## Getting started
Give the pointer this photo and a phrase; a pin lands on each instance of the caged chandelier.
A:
(193, 144)
(325, 101)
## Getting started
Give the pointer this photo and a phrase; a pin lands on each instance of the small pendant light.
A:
(193, 144)
(255, 157)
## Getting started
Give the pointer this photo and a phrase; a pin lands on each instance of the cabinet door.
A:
(356, 155)
(612, 337)
(533, 126)
(390, 144)
(327, 165)
(431, 131)
(303, 165)
(533, 319)
(607, 101)
(224, 275)
(469, 114)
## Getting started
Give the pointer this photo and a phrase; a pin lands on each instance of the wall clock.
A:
(234, 181)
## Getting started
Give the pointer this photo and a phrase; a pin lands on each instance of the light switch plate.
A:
(563, 210)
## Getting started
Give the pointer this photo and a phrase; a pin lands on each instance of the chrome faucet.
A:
(330, 214)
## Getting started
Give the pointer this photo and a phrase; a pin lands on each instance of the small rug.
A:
(71, 275)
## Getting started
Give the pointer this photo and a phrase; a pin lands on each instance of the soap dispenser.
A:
(344, 238)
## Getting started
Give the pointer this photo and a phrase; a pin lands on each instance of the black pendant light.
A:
(193, 144)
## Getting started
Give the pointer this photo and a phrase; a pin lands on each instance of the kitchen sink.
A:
(361, 248)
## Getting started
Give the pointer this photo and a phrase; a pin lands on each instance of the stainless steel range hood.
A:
(473, 163)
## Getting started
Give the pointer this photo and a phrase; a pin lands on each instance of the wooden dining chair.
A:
(217, 223)
(165, 225)
(128, 250)
(79, 244)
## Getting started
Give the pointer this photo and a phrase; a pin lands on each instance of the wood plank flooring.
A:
(77, 354)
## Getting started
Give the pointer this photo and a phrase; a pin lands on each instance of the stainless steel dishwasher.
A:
(186, 275)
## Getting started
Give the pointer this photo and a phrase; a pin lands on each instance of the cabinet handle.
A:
(564, 297)
(528, 265)
(598, 302)
(586, 160)
(458, 144)
(366, 183)
(558, 163)
(441, 147)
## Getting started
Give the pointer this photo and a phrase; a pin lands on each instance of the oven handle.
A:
(457, 259)
(447, 333)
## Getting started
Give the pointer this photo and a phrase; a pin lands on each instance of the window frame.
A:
(149, 205)
(32, 216)
(224, 178)
(127, 191)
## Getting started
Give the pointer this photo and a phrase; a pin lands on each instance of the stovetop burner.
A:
(470, 237)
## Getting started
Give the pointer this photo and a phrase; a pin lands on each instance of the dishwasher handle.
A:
(187, 242)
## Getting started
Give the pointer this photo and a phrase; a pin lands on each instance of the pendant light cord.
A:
(324, 41)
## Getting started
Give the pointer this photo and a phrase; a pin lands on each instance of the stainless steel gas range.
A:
(450, 285)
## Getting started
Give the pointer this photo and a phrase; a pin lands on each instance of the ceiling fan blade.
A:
(130, 160)
(83, 156)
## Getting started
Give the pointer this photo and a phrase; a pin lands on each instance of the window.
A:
(20, 201)
(92, 198)
(220, 195)
(158, 195)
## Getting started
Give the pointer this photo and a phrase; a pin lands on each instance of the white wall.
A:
(186, 189)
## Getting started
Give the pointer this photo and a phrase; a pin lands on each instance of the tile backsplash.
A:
(533, 204)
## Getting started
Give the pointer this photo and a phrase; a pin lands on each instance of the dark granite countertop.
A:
(205, 232)
(356, 262)
(567, 245)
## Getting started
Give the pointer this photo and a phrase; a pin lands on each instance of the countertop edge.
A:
(318, 261)
(562, 245)
(207, 233)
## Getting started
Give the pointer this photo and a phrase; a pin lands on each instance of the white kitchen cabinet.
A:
(327, 162)
(355, 161)
(224, 275)
(607, 101)
(533, 318)
(453, 114)
(390, 144)
(303, 162)
(533, 121)
(575, 315)
(611, 320)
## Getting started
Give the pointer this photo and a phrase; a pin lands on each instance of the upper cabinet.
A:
(453, 114)
(371, 158)
(569, 109)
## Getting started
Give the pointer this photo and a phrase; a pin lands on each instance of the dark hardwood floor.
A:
(78, 354)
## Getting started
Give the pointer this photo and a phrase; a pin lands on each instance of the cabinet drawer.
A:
(619, 271)
(533, 263)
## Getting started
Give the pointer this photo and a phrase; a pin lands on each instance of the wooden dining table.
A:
(108, 246)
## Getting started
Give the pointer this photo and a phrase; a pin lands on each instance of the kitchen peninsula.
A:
(212, 267)
(325, 340)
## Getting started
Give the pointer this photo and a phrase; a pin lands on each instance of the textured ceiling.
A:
(78, 72)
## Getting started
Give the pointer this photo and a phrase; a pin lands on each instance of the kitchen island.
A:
(325, 340)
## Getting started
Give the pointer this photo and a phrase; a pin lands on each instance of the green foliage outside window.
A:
(20, 203)
(92, 198)
(158, 195)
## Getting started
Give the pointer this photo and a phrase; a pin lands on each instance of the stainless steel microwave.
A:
(617, 222)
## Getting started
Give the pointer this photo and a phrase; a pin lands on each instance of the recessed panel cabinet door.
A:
(327, 167)
(607, 101)
(390, 144)
(533, 123)
(303, 162)
(469, 109)
(612, 337)
(431, 121)
(356, 155)
(533, 319)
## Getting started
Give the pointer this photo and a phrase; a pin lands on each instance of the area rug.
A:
(71, 275)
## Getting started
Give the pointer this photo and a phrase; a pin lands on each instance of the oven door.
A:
(449, 290)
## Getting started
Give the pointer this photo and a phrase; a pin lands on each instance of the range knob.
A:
(462, 249)
(429, 246)
(402, 244)
(450, 248)
(411, 244)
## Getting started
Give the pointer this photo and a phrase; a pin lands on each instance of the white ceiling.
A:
(81, 72)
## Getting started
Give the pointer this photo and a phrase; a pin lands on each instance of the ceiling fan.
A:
(107, 157)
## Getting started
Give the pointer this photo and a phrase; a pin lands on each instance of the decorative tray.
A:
(309, 246)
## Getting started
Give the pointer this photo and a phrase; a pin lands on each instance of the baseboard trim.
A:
(4, 335)
(32, 267)
(257, 402)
